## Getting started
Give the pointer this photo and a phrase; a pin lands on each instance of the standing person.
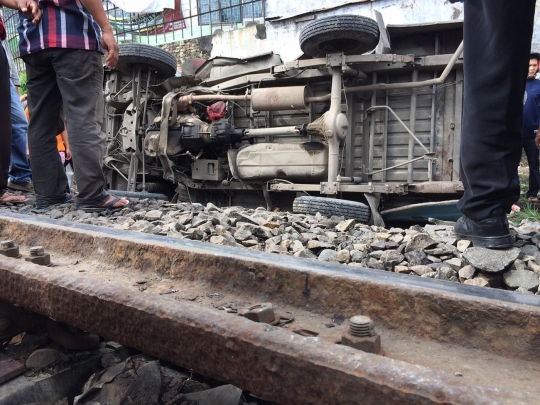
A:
(497, 41)
(5, 126)
(62, 144)
(531, 122)
(20, 174)
(62, 53)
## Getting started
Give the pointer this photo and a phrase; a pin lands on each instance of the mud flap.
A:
(373, 200)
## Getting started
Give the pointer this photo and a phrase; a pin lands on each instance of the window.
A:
(226, 11)
(252, 10)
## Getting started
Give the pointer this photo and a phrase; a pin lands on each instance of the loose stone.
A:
(490, 260)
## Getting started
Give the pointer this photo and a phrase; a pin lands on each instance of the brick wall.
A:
(189, 49)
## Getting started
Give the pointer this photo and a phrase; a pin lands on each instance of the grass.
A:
(528, 211)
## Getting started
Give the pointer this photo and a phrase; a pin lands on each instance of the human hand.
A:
(537, 141)
(111, 49)
(30, 9)
(68, 153)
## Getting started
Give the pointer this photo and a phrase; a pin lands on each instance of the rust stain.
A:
(436, 315)
(200, 338)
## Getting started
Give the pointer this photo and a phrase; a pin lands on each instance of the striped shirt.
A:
(2, 29)
(65, 24)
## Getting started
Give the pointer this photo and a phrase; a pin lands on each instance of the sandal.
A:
(9, 197)
(70, 198)
(110, 203)
(532, 199)
(67, 199)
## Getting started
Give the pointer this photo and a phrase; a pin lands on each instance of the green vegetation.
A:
(23, 89)
(528, 211)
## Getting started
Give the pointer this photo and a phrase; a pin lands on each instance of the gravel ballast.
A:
(430, 251)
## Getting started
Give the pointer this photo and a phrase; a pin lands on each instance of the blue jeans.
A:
(20, 168)
(534, 170)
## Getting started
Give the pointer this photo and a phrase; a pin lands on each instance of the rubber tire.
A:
(331, 206)
(350, 34)
(160, 60)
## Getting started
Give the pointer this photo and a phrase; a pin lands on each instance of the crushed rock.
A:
(431, 251)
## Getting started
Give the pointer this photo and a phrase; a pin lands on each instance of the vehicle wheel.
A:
(350, 34)
(140, 54)
(332, 206)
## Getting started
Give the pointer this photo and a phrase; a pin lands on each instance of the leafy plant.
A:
(23, 79)
(528, 211)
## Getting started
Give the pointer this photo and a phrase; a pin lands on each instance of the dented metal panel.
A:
(306, 161)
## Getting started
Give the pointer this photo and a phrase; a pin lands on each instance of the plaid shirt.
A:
(65, 24)
(2, 29)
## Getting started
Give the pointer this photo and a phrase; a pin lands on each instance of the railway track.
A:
(176, 299)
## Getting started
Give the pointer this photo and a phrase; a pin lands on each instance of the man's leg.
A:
(20, 172)
(534, 171)
(5, 119)
(80, 79)
(497, 39)
(44, 103)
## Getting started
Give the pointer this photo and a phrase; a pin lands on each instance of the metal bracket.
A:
(335, 59)
(329, 187)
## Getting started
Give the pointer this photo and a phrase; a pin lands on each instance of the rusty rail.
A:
(268, 361)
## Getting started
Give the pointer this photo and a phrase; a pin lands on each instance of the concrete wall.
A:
(281, 36)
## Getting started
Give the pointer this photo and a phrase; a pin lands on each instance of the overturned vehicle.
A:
(355, 120)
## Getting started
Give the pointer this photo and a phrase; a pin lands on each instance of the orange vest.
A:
(59, 142)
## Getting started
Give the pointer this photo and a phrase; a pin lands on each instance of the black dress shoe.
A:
(492, 232)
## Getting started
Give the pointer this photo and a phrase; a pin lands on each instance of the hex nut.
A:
(369, 344)
(7, 244)
(44, 260)
(263, 313)
(10, 251)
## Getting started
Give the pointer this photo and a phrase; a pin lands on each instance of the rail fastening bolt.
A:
(6, 244)
(38, 256)
(37, 251)
(8, 248)
(361, 326)
(361, 335)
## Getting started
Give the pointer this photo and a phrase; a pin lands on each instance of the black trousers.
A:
(497, 44)
(71, 79)
(5, 121)
(532, 153)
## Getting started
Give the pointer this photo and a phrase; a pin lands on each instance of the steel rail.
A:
(281, 366)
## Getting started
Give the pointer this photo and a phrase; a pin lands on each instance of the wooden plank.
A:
(403, 102)
(10, 368)
(377, 163)
(445, 148)
(458, 112)
(402, 177)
